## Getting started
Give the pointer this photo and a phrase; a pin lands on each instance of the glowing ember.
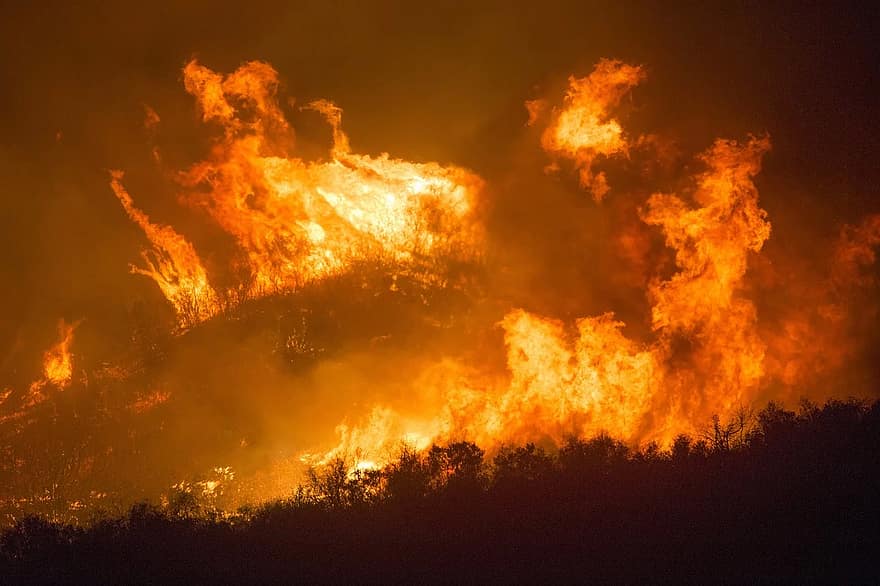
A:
(150, 401)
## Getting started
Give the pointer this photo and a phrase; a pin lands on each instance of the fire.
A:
(706, 358)
(297, 221)
(172, 263)
(583, 130)
(376, 441)
(57, 362)
(57, 373)
(703, 302)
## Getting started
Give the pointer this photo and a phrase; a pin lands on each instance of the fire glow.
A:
(300, 221)
(297, 222)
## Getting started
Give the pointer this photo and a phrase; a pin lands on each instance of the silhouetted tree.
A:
(523, 464)
(795, 498)
(458, 465)
(596, 456)
(407, 478)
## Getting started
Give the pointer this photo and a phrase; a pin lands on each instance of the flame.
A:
(376, 441)
(297, 221)
(583, 130)
(702, 303)
(589, 377)
(57, 372)
(172, 263)
(57, 361)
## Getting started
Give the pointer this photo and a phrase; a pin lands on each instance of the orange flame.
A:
(57, 371)
(583, 130)
(172, 263)
(854, 251)
(57, 362)
(296, 221)
(707, 358)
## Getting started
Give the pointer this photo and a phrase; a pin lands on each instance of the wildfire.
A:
(293, 221)
(172, 263)
(57, 362)
(57, 372)
(375, 441)
(583, 130)
(297, 221)
(707, 357)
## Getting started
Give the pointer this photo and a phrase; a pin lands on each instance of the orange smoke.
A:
(296, 221)
(854, 251)
(826, 330)
(583, 129)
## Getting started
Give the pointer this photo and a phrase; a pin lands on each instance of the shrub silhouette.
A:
(522, 465)
(788, 496)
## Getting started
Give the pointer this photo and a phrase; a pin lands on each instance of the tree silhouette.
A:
(792, 500)
(523, 464)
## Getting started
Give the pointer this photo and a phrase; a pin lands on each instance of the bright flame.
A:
(377, 440)
(707, 357)
(296, 221)
(57, 371)
(583, 129)
(57, 362)
(172, 263)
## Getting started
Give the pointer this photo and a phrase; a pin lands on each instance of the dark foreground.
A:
(794, 497)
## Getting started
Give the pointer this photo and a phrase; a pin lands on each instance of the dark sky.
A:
(424, 81)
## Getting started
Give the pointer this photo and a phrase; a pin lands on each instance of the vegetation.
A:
(781, 496)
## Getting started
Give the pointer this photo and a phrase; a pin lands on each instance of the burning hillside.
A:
(295, 221)
(301, 299)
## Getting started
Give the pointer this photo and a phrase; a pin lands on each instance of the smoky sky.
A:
(423, 81)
